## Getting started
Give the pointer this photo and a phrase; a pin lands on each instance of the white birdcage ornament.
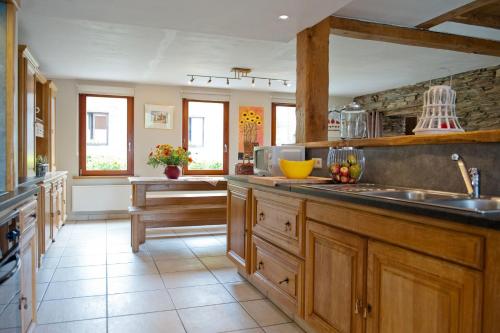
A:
(438, 113)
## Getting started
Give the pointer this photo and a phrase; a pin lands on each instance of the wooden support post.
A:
(313, 83)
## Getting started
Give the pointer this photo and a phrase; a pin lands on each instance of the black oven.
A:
(10, 279)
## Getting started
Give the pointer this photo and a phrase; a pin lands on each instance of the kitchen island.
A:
(338, 262)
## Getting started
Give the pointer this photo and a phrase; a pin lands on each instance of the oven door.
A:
(10, 289)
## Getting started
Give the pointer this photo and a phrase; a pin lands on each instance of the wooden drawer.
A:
(28, 215)
(279, 220)
(455, 246)
(278, 274)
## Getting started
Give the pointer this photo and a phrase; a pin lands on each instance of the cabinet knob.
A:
(367, 310)
(287, 280)
(23, 303)
(260, 266)
(33, 215)
(261, 216)
(288, 226)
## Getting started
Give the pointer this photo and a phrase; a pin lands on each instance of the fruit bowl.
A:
(346, 165)
(296, 169)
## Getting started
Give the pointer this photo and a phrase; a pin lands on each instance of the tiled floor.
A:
(92, 282)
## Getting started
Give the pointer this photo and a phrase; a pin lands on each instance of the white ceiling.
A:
(160, 41)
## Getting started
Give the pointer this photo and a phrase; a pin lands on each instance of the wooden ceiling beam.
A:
(411, 36)
(449, 16)
(488, 21)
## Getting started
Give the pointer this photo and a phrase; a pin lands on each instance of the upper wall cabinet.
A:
(36, 116)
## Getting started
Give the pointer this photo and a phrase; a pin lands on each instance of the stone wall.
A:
(478, 101)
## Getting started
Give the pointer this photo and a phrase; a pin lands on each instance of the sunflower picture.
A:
(251, 130)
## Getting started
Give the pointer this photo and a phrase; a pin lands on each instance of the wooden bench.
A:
(162, 202)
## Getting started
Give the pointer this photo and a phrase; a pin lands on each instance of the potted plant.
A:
(42, 166)
(172, 158)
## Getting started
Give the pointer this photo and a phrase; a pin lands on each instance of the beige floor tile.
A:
(54, 252)
(72, 309)
(165, 244)
(140, 302)
(50, 262)
(250, 330)
(41, 288)
(158, 322)
(243, 291)
(82, 326)
(77, 288)
(216, 318)
(44, 274)
(189, 297)
(9, 317)
(84, 251)
(283, 328)
(129, 284)
(94, 260)
(134, 268)
(265, 313)
(188, 279)
(210, 251)
(180, 253)
(227, 275)
(124, 258)
(201, 241)
(79, 273)
(218, 262)
(180, 265)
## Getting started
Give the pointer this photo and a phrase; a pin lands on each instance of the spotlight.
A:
(192, 80)
(269, 83)
(283, 17)
(209, 80)
(227, 81)
(253, 82)
(286, 83)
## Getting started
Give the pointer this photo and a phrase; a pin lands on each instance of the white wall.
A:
(145, 139)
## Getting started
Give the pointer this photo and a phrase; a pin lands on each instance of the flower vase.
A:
(172, 171)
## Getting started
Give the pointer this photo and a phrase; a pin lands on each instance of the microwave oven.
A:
(267, 159)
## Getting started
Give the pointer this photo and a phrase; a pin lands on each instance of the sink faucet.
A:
(471, 177)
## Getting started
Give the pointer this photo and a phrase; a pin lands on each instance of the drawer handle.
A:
(33, 215)
(24, 301)
(261, 216)
(260, 266)
(287, 280)
(288, 226)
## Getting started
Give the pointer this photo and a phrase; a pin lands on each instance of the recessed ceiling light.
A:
(283, 17)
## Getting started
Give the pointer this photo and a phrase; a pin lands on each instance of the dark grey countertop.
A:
(29, 181)
(490, 221)
(11, 199)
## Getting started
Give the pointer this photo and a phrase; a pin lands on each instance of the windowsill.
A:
(103, 177)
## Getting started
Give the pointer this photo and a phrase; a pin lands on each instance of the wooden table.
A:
(161, 202)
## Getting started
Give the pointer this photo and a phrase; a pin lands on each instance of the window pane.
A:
(106, 133)
(285, 125)
(206, 135)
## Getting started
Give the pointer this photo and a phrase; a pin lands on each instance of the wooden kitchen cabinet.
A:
(410, 292)
(27, 301)
(335, 279)
(238, 225)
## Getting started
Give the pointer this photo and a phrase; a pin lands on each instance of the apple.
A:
(344, 179)
(336, 178)
(344, 171)
(335, 168)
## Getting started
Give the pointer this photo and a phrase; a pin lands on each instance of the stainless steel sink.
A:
(413, 195)
(449, 200)
(479, 205)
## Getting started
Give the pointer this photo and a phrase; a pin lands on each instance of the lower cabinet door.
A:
(238, 224)
(410, 292)
(335, 279)
(27, 301)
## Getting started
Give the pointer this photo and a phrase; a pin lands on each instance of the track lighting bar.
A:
(239, 74)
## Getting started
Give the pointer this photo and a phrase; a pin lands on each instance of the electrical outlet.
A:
(318, 163)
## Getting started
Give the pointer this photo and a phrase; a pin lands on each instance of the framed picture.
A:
(159, 116)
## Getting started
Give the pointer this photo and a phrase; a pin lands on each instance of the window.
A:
(106, 135)
(97, 132)
(283, 123)
(205, 134)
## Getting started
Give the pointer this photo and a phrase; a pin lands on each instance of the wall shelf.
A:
(411, 140)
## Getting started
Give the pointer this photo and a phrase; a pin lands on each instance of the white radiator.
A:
(100, 198)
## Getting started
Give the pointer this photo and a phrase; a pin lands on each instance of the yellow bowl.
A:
(296, 169)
